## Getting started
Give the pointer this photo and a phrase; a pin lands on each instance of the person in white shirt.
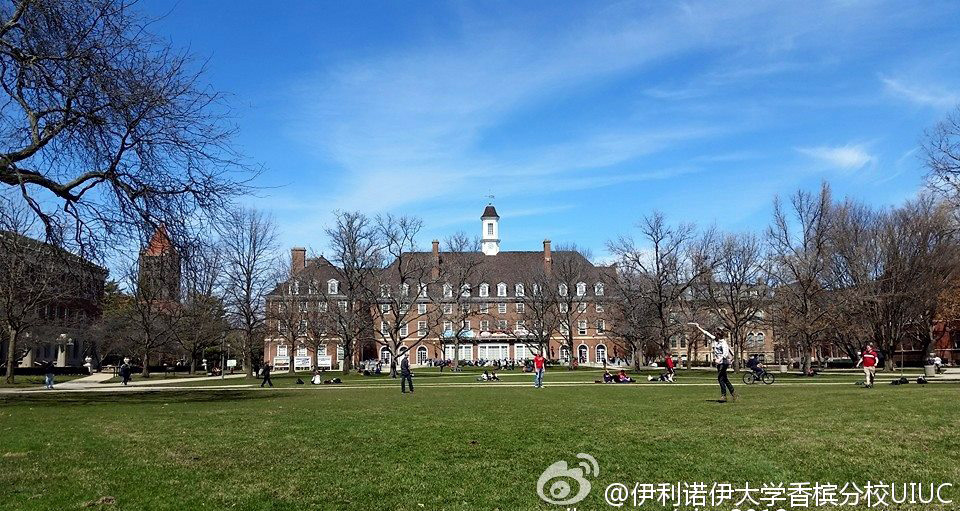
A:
(722, 356)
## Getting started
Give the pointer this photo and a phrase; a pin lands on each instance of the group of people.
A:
(488, 376)
(620, 377)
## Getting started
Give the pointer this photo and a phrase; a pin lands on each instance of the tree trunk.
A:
(347, 361)
(146, 365)
(393, 366)
(248, 361)
(193, 364)
(11, 354)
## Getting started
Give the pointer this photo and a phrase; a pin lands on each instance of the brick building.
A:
(465, 306)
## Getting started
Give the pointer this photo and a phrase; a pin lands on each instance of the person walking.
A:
(670, 365)
(405, 375)
(539, 364)
(125, 372)
(266, 375)
(722, 356)
(48, 375)
(868, 359)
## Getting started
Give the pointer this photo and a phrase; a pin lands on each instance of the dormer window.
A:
(447, 291)
(384, 291)
(598, 289)
(405, 289)
(465, 290)
(518, 289)
(581, 288)
(333, 287)
(562, 289)
(484, 290)
(536, 290)
(501, 289)
(423, 289)
(295, 287)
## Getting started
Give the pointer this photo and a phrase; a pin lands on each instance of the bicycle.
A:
(751, 377)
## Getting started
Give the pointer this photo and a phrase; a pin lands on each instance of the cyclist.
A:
(754, 365)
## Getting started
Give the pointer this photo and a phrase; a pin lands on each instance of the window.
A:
(484, 308)
(465, 290)
(598, 289)
(581, 288)
(448, 308)
(321, 350)
(343, 305)
(484, 325)
(520, 307)
(423, 290)
(404, 308)
(582, 352)
(599, 307)
(312, 287)
(384, 308)
(502, 308)
(501, 289)
(385, 355)
(673, 341)
(582, 327)
(384, 328)
(489, 229)
(404, 331)
(521, 352)
(601, 327)
(582, 307)
(521, 325)
(421, 328)
(282, 326)
(502, 325)
(302, 327)
(322, 306)
(484, 290)
(518, 289)
(536, 290)
(601, 353)
(303, 306)
(333, 287)
(301, 351)
(447, 328)
(465, 326)
(281, 307)
(464, 308)
(564, 308)
(421, 355)
(405, 289)
(562, 289)
(447, 291)
(384, 291)
(295, 287)
(564, 328)
(282, 350)
(421, 308)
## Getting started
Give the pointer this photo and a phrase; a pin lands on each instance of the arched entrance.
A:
(421, 355)
(583, 354)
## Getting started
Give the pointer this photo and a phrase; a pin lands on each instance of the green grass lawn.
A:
(22, 381)
(456, 444)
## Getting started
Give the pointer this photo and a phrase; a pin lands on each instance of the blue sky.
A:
(579, 117)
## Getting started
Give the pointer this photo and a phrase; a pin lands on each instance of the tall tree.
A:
(105, 125)
(569, 278)
(201, 318)
(460, 272)
(800, 254)
(249, 243)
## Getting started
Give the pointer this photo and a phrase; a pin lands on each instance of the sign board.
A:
(231, 363)
(301, 363)
(325, 361)
(281, 361)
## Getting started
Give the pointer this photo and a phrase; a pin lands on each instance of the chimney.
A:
(436, 259)
(547, 258)
(298, 259)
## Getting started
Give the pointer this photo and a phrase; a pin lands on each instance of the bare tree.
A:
(540, 311)
(290, 311)
(942, 153)
(249, 241)
(105, 125)
(152, 310)
(568, 278)
(201, 318)
(800, 253)
(737, 289)
(411, 279)
(662, 271)
(355, 257)
(461, 271)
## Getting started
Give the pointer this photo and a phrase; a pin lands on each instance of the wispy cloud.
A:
(847, 157)
(922, 95)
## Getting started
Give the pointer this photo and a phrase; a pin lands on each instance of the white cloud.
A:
(922, 95)
(848, 157)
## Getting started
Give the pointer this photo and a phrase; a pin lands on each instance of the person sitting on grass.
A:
(623, 378)
(494, 377)
(607, 377)
(316, 380)
(485, 376)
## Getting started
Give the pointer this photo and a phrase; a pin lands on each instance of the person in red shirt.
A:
(539, 363)
(671, 371)
(868, 359)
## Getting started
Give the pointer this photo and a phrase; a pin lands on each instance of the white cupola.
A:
(490, 222)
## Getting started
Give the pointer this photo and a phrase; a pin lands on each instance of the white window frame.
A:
(447, 290)
(599, 307)
(484, 308)
(520, 307)
(601, 326)
(282, 350)
(421, 328)
(333, 287)
(502, 308)
(582, 327)
(598, 289)
(484, 325)
(562, 289)
(581, 288)
(582, 307)
(484, 290)
(518, 290)
(564, 308)
(502, 289)
(404, 330)
(421, 308)
(448, 308)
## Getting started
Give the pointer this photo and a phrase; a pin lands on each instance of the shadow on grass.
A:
(132, 398)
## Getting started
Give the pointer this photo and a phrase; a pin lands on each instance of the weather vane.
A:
(490, 197)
